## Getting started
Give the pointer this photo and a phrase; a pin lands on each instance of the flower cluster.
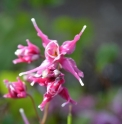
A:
(26, 53)
(48, 74)
(16, 89)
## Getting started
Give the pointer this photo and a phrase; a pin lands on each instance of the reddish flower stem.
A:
(34, 106)
(45, 113)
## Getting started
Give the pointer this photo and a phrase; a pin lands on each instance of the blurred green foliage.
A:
(10, 6)
(105, 55)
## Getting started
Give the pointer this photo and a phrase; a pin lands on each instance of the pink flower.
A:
(27, 54)
(48, 75)
(54, 88)
(15, 89)
(55, 54)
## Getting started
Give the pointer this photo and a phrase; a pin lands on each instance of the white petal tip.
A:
(27, 40)
(18, 52)
(21, 110)
(14, 61)
(32, 83)
(4, 96)
(64, 104)
(33, 19)
(40, 108)
(84, 27)
(82, 84)
(20, 74)
(56, 72)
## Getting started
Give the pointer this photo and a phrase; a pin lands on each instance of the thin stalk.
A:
(45, 113)
(69, 117)
(34, 106)
(24, 116)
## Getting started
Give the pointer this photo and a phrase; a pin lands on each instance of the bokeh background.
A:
(98, 54)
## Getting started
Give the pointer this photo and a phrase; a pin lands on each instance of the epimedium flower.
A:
(54, 54)
(27, 54)
(48, 75)
(53, 80)
(54, 88)
(15, 89)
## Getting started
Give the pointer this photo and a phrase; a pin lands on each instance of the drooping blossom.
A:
(27, 54)
(54, 89)
(15, 89)
(53, 81)
(54, 54)
(48, 75)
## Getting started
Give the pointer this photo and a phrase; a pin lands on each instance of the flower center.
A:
(52, 50)
(55, 53)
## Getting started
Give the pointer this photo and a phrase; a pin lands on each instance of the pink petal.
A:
(64, 94)
(22, 94)
(46, 99)
(7, 95)
(44, 37)
(68, 47)
(20, 46)
(80, 73)
(52, 50)
(19, 60)
(32, 47)
(41, 81)
(69, 65)
(45, 64)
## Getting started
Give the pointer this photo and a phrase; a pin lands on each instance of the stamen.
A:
(56, 72)
(45, 73)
